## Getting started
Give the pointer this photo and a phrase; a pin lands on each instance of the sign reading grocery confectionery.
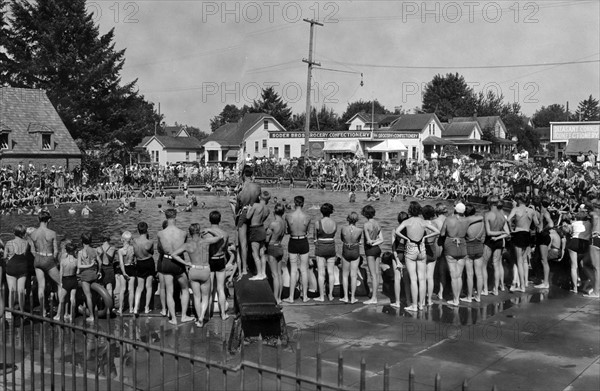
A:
(353, 134)
(563, 131)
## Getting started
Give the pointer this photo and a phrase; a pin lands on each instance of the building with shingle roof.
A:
(32, 132)
(254, 135)
(466, 136)
(364, 121)
(165, 149)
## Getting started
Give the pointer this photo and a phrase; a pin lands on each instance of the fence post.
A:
(465, 385)
(279, 350)
(340, 369)
(363, 368)
(242, 367)
(438, 382)
(298, 365)
(224, 353)
(494, 388)
(319, 369)
(411, 379)
(259, 362)
(386, 377)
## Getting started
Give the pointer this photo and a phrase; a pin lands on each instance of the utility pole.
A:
(310, 66)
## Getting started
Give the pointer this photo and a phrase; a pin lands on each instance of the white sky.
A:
(196, 56)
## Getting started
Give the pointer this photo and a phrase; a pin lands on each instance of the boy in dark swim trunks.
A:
(256, 215)
(145, 267)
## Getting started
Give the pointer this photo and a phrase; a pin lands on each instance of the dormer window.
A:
(46, 141)
(266, 124)
(4, 140)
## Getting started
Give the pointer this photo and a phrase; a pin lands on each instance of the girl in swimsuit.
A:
(350, 236)
(68, 278)
(18, 252)
(126, 257)
(107, 254)
(87, 269)
(372, 239)
(325, 250)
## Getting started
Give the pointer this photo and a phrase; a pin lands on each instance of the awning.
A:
(576, 145)
(231, 154)
(471, 141)
(434, 140)
(388, 146)
(341, 146)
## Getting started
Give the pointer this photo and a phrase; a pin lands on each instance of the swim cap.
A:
(460, 208)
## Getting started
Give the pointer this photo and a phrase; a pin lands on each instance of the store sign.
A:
(352, 134)
(564, 132)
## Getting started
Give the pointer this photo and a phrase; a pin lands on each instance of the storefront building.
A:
(571, 138)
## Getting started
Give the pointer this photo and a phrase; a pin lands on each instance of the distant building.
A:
(466, 136)
(501, 142)
(174, 147)
(31, 131)
(255, 135)
(570, 138)
(367, 121)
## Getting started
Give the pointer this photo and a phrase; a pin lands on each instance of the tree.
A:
(362, 106)
(489, 104)
(553, 113)
(58, 48)
(5, 61)
(449, 96)
(229, 114)
(516, 125)
(588, 110)
(272, 104)
(326, 120)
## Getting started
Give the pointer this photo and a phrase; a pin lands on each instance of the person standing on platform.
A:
(523, 217)
(217, 262)
(275, 234)
(297, 224)
(373, 237)
(256, 215)
(248, 195)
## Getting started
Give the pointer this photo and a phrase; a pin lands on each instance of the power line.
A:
(471, 67)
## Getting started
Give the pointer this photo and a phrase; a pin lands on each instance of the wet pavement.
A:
(546, 340)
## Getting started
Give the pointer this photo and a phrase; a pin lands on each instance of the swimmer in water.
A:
(85, 211)
(121, 209)
(72, 210)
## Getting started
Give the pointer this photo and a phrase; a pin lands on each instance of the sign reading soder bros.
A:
(347, 134)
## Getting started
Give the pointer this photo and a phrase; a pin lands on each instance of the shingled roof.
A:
(27, 112)
(232, 134)
(170, 142)
(412, 122)
(459, 129)
(484, 122)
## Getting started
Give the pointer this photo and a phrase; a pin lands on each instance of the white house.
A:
(178, 147)
(422, 128)
(366, 121)
(255, 135)
(466, 136)
(495, 123)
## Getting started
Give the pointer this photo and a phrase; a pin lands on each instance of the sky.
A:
(194, 57)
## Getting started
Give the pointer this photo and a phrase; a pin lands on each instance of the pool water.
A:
(104, 220)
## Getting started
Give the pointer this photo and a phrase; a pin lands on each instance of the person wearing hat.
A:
(455, 246)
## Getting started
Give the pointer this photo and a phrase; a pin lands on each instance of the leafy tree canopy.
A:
(365, 106)
(272, 104)
(229, 114)
(449, 96)
(588, 110)
(58, 48)
(553, 113)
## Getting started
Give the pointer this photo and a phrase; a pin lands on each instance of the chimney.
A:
(475, 114)
(449, 120)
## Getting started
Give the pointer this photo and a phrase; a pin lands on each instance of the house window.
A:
(271, 152)
(256, 146)
(213, 156)
(264, 144)
(4, 141)
(244, 146)
(286, 151)
(358, 127)
(46, 142)
(266, 124)
(276, 151)
(187, 156)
